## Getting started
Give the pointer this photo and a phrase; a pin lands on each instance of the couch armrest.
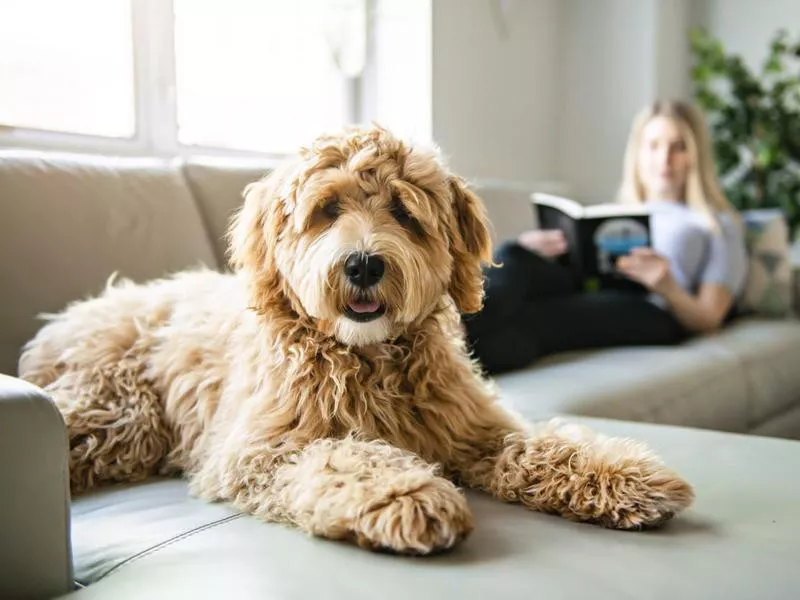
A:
(35, 551)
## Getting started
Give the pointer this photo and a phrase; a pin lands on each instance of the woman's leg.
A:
(575, 322)
(599, 320)
(526, 275)
(521, 277)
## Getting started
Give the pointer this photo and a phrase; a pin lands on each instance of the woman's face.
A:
(663, 160)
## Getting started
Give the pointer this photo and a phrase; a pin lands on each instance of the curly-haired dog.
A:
(326, 382)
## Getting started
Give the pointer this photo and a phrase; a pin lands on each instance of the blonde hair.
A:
(703, 193)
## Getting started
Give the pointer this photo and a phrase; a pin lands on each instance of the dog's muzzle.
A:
(364, 271)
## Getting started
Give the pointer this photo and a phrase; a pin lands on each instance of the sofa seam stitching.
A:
(165, 543)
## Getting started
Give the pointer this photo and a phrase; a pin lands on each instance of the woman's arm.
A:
(700, 313)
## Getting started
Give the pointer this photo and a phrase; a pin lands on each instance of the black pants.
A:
(533, 308)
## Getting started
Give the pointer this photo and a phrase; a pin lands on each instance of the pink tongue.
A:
(364, 307)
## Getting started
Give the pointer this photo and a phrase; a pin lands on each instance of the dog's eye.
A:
(331, 208)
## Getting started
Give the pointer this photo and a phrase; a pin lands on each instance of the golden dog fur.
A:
(260, 388)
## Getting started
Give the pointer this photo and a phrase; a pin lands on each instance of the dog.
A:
(325, 382)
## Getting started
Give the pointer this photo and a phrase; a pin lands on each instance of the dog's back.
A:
(101, 331)
(128, 354)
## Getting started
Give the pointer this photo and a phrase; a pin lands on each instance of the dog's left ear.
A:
(471, 247)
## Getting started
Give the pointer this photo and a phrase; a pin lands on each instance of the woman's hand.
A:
(701, 313)
(546, 242)
(648, 268)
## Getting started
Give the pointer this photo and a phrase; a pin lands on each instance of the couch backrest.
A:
(68, 222)
(508, 205)
(218, 186)
(508, 208)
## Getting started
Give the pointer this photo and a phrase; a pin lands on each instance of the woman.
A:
(695, 269)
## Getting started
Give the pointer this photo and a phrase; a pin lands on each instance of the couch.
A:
(68, 222)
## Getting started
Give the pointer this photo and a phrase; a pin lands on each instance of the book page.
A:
(565, 205)
(614, 209)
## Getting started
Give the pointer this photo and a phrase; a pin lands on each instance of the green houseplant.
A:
(754, 120)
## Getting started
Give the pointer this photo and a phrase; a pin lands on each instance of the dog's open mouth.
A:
(364, 310)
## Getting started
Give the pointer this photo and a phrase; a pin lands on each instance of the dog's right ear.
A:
(255, 227)
(254, 232)
(247, 246)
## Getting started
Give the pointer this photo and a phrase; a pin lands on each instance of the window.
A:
(175, 76)
(63, 71)
(265, 75)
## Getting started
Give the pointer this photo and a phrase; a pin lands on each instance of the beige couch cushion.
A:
(68, 222)
(732, 381)
(35, 554)
(508, 208)
(739, 541)
(769, 356)
(786, 425)
(217, 185)
(693, 384)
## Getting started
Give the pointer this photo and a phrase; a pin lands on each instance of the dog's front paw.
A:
(431, 518)
(623, 485)
(584, 476)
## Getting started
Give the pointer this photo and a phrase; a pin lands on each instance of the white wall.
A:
(608, 65)
(673, 19)
(496, 98)
(618, 57)
(746, 26)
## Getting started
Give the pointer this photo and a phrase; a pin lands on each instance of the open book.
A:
(596, 236)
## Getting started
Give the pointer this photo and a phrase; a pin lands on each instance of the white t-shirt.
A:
(696, 253)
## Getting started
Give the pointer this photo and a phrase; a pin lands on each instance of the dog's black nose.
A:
(364, 270)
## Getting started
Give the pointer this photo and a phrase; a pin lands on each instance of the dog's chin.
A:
(362, 333)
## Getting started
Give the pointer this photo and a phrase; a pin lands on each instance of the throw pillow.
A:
(768, 291)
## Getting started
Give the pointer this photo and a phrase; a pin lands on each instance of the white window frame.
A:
(156, 117)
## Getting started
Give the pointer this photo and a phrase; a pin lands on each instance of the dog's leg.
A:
(371, 493)
(581, 475)
(567, 470)
(115, 424)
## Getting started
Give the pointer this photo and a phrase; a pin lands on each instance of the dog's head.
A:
(363, 235)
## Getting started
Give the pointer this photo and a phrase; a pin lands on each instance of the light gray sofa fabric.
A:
(35, 555)
(67, 223)
(769, 355)
(739, 541)
(218, 187)
(786, 424)
(735, 380)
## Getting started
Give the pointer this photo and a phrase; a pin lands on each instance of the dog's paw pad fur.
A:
(431, 519)
(615, 482)
(633, 490)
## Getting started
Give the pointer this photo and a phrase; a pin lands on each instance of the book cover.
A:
(597, 235)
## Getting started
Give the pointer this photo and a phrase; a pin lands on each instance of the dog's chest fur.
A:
(381, 392)
(302, 385)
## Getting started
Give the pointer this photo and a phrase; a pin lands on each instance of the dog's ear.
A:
(471, 247)
(247, 234)
(253, 234)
